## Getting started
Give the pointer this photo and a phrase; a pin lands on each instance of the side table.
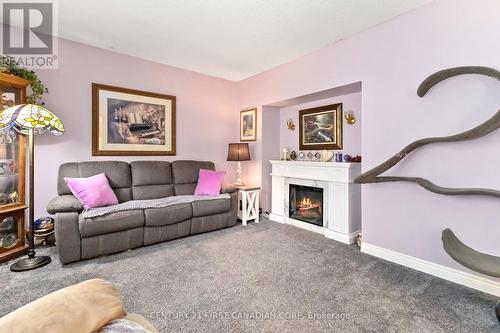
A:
(248, 207)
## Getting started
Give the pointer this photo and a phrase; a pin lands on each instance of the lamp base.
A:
(28, 264)
(239, 173)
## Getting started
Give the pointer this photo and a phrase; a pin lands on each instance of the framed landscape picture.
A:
(132, 122)
(321, 128)
(248, 125)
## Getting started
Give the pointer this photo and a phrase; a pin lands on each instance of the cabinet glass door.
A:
(12, 174)
(9, 168)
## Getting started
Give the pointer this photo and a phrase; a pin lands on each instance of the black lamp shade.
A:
(238, 152)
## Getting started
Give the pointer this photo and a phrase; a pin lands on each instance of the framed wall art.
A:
(321, 128)
(132, 122)
(248, 125)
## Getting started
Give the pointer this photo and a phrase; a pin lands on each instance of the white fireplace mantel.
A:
(341, 196)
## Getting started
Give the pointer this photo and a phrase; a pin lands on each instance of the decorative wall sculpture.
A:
(466, 256)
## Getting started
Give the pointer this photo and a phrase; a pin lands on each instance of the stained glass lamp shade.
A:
(30, 119)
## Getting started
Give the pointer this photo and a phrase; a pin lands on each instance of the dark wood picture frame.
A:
(97, 151)
(254, 137)
(337, 127)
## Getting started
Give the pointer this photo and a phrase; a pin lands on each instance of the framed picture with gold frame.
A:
(321, 128)
(248, 125)
(132, 122)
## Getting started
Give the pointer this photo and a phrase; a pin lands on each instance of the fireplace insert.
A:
(306, 204)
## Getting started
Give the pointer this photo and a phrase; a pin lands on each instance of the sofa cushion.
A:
(168, 215)
(117, 172)
(151, 179)
(185, 189)
(211, 207)
(209, 182)
(92, 191)
(111, 223)
(185, 175)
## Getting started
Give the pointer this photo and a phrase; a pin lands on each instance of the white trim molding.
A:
(341, 237)
(460, 277)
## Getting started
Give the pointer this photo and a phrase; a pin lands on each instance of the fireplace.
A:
(306, 204)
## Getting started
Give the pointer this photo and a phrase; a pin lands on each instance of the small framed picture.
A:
(321, 128)
(248, 125)
(132, 122)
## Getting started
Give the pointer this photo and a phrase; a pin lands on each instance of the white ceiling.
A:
(233, 39)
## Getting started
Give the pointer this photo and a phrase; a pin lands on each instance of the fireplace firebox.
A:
(306, 204)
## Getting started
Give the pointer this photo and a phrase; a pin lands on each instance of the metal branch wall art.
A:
(373, 175)
(466, 256)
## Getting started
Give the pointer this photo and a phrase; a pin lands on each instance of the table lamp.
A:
(30, 119)
(238, 152)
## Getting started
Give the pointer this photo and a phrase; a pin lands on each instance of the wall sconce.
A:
(349, 118)
(290, 125)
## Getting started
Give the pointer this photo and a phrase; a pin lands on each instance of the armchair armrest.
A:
(64, 204)
(228, 188)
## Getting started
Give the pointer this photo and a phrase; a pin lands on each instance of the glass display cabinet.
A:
(12, 174)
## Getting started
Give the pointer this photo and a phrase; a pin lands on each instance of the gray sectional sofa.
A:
(79, 238)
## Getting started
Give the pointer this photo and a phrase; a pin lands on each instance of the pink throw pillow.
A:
(209, 182)
(92, 191)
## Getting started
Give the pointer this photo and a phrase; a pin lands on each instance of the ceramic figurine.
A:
(356, 159)
(284, 155)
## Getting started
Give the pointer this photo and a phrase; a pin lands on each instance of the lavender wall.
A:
(270, 151)
(206, 106)
(391, 60)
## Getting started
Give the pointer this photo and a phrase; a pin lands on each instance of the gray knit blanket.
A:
(152, 203)
(122, 326)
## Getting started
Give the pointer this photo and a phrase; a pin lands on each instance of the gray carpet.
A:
(266, 277)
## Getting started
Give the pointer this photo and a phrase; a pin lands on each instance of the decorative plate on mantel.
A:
(326, 155)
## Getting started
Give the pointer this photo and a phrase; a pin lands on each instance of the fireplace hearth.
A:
(306, 204)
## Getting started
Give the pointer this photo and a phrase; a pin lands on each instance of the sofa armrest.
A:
(64, 204)
(68, 237)
(228, 188)
(233, 213)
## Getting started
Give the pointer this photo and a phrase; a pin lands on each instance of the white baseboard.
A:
(443, 272)
(276, 218)
(340, 237)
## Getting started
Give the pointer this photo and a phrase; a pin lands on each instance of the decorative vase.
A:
(284, 154)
